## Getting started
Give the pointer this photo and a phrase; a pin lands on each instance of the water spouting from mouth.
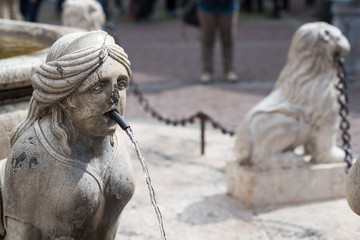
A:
(126, 127)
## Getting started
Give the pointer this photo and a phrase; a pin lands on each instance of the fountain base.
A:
(313, 182)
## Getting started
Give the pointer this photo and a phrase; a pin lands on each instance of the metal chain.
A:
(343, 100)
(203, 117)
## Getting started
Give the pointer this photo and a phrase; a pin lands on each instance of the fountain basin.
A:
(23, 47)
(17, 64)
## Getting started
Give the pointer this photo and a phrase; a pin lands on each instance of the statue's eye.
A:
(97, 88)
(122, 83)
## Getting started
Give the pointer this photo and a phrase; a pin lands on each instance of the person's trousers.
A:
(211, 25)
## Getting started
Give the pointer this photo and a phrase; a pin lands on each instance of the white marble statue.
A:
(302, 109)
(85, 14)
(68, 174)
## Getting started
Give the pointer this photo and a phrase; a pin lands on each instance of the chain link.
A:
(343, 101)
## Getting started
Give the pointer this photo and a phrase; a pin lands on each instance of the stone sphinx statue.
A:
(302, 109)
(68, 174)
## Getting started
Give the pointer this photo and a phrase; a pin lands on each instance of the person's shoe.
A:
(231, 77)
(205, 77)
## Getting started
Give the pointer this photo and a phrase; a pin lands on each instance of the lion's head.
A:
(310, 67)
(319, 39)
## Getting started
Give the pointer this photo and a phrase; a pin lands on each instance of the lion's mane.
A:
(309, 76)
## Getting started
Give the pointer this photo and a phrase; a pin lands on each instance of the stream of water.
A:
(135, 144)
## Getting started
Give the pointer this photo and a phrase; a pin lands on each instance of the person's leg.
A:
(33, 9)
(24, 8)
(228, 24)
(152, 8)
(207, 25)
(286, 5)
(142, 9)
(276, 9)
(246, 5)
(58, 6)
(260, 5)
(170, 7)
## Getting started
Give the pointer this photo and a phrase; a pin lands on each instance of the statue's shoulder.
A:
(27, 142)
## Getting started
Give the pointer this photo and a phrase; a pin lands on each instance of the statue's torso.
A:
(63, 197)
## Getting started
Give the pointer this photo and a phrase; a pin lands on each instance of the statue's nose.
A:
(115, 97)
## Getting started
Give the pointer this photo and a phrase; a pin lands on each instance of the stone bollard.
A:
(286, 145)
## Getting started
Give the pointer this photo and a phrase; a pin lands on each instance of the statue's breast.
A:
(63, 197)
(119, 183)
(92, 201)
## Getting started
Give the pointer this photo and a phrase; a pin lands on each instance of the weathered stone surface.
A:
(288, 186)
(68, 174)
(8, 122)
(302, 109)
(353, 187)
(85, 14)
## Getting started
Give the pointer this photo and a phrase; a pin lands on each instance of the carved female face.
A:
(103, 91)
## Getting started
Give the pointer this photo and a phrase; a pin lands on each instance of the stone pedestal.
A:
(288, 186)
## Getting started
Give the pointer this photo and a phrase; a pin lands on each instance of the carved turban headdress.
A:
(70, 60)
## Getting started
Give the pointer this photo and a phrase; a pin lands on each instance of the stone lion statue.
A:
(301, 110)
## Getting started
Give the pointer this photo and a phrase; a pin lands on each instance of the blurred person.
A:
(346, 16)
(323, 10)
(144, 9)
(132, 9)
(104, 4)
(30, 9)
(247, 5)
(58, 7)
(277, 7)
(170, 6)
(309, 3)
(218, 16)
